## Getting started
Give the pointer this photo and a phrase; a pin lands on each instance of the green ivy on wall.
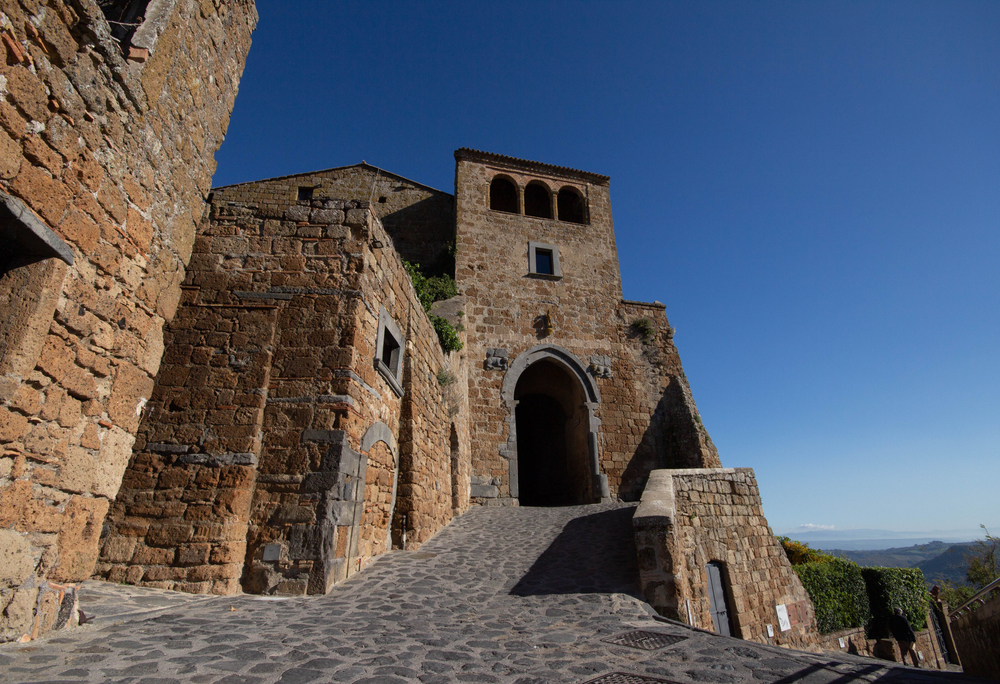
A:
(435, 289)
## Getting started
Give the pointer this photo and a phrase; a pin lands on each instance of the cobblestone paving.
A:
(506, 595)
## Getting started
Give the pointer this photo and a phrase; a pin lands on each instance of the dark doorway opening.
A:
(552, 444)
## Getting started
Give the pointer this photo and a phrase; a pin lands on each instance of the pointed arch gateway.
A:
(552, 446)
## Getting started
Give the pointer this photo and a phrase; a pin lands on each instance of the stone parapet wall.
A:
(273, 368)
(976, 635)
(690, 517)
(111, 159)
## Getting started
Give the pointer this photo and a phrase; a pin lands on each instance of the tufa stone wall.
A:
(419, 219)
(180, 519)
(977, 633)
(688, 518)
(279, 387)
(105, 164)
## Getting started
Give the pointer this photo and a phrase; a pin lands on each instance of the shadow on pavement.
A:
(594, 554)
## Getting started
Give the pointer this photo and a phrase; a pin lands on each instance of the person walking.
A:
(904, 636)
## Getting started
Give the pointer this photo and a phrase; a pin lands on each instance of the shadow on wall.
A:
(594, 554)
(670, 441)
(422, 232)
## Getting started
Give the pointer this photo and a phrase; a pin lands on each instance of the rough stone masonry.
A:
(106, 158)
(306, 419)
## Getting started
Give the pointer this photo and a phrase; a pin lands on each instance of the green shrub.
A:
(447, 335)
(435, 289)
(890, 588)
(799, 552)
(644, 328)
(837, 591)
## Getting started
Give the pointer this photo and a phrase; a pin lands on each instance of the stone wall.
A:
(278, 367)
(640, 413)
(688, 518)
(105, 164)
(180, 518)
(977, 634)
(419, 219)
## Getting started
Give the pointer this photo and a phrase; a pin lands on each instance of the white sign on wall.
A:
(770, 631)
(783, 621)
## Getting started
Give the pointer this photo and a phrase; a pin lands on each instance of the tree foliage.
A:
(432, 289)
(984, 566)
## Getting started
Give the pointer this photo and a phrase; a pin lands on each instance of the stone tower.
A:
(575, 394)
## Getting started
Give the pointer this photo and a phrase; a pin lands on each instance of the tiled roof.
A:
(528, 165)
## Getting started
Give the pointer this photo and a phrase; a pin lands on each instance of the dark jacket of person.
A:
(900, 628)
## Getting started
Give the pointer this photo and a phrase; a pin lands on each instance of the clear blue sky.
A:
(813, 189)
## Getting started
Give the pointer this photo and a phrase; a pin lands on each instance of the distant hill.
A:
(950, 565)
(938, 560)
(898, 557)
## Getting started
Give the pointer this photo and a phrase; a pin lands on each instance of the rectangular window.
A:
(389, 352)
(305, 193)
(543, 260)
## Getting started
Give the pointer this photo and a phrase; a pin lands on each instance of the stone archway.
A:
(560, 400)
(381, 476)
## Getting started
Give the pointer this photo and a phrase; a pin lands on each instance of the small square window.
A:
(305, 193)
(543, 260)
(389, 352)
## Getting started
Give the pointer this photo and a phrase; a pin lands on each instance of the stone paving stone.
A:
(505, 595)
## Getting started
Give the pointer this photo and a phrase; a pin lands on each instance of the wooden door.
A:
(717, 599)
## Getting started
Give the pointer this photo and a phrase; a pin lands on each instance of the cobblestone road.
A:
(506, 595)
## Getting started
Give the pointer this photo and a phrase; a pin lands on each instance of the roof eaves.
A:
(335, 168)
(528, 165)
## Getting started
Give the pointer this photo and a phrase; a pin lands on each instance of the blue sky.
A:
(813, 189)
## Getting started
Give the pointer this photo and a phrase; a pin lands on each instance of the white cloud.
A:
(810, 526)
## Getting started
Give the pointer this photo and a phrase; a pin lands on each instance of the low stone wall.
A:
(929, 654)
(688, 518)
(977, 637)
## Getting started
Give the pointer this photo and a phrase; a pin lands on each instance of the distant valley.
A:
(938, 560)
